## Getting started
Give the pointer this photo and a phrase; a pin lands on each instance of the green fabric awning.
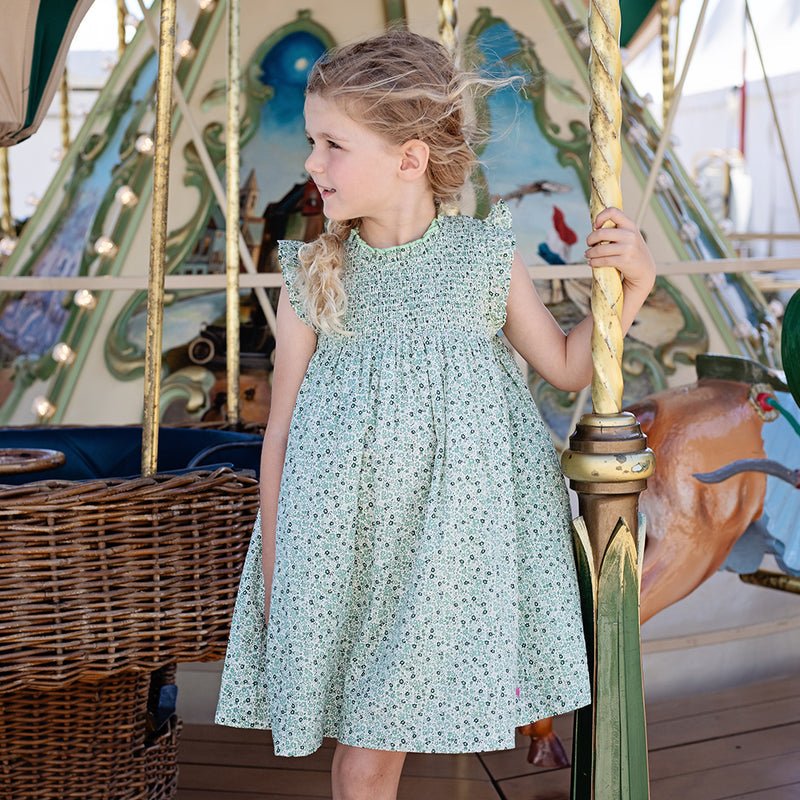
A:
(34, 40)
(634, 13)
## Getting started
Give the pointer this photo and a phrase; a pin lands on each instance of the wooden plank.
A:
(735, 697)
(200, 794)
(729, 722)
(292, 782)
(553, 785)
(228, 754)
(788, 792)
(700, 756)
(240, 754)
(760, 759)
(723, 782)
(308, 784)
(503, 764)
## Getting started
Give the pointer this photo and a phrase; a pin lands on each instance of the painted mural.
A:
(548, 199)
(537, 166)
(33, 322)
(542, 171)
(277, 200)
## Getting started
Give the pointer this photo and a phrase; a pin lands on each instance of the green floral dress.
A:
(424, 596)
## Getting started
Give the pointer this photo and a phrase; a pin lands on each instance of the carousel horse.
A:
(723, 495)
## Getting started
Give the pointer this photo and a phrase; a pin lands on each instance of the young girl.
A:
(414, 519)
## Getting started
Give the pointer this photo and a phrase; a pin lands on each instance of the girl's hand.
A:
(622, 247)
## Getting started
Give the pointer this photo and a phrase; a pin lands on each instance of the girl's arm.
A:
(563, 360)
(295, 343)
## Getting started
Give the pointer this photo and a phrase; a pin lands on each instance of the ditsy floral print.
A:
(424, 596)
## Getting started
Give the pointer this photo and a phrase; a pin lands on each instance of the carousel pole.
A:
(122, 12)
(667, 71)
(232, 215)
(158, 239)
(6, 219)
(448, 26)
(64, 113)
(608, 464)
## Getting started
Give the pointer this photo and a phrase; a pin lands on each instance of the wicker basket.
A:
(102, 577)
(102, 584)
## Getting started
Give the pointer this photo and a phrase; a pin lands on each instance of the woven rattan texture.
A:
(98, 578)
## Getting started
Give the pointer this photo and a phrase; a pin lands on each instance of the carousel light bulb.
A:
(57, 154)
(7, 245)
(744, 329)
(32, 200)
(716, 281)
(63, 353)
(664, 182)
(205, 5)
(131, 21)
(126, 196)
(145, 144)
(637, 133)
(185, 49)
(43, 408)
(776, 308)
(83, 298)
(105, 247)
(689, 231)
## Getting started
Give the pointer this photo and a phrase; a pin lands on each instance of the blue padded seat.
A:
(116, 451)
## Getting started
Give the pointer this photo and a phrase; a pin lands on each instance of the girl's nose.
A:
(312, 164)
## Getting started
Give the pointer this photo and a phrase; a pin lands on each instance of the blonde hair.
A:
(402, 86)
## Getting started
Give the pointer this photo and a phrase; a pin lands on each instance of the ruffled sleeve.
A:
(501, 246)
(290, 265)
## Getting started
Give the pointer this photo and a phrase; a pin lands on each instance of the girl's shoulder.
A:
(498, 219)
(490, 233)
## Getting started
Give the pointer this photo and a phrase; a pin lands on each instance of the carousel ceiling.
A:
(35, 39)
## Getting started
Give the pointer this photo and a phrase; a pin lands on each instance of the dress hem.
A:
(329, 733)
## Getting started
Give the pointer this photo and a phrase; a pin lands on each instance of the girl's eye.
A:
(333, 145)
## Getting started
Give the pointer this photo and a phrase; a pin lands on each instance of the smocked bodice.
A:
(454, 279)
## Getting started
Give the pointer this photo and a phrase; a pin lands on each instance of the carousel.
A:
(137, 324)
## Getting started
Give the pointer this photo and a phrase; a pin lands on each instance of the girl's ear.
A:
(414, 159)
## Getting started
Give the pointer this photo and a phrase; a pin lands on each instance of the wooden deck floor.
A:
(741, 744)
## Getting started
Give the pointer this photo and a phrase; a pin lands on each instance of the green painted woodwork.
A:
(620, 753)
(124, 359)
(790, 345)
(394, 11)
(583, 719)
(609, 755)
(126, 229)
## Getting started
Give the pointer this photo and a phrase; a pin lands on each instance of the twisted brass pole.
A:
(605, 160)
(233, 214)
(608, 466)
(64, 112)
(122, 12)
(158, 239)
(666, 128)
(667, 74)
(7, 221)
(448, 26)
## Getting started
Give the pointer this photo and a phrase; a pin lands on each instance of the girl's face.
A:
(355, 170)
